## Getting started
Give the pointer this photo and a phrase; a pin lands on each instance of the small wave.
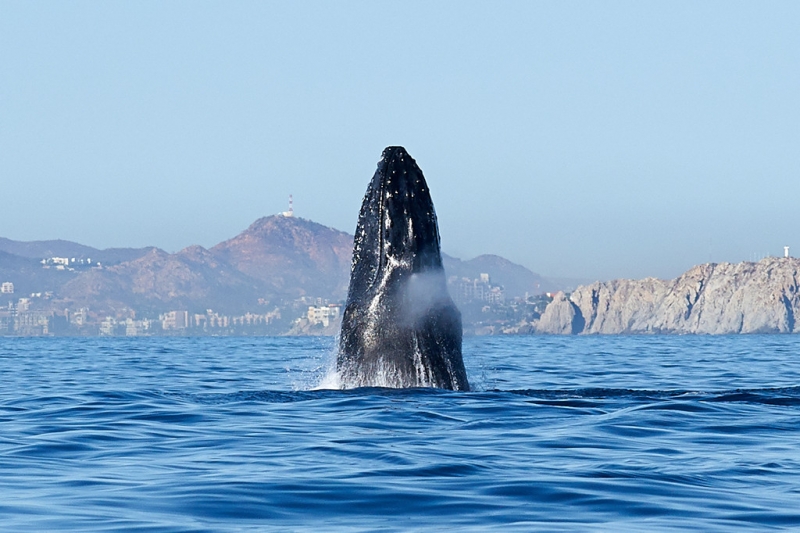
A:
(327, 389)
(774, 396)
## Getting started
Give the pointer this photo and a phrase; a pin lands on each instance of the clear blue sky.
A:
(581, 139)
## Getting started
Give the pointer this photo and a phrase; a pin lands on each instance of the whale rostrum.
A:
(400, 328)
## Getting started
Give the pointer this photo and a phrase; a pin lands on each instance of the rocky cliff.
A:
(712, 298)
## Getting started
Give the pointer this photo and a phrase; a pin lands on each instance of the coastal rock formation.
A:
(712, 298)
(561, 317)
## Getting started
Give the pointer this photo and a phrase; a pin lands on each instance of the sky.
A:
(590, 140)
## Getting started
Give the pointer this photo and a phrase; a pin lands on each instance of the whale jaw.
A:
(400, 327)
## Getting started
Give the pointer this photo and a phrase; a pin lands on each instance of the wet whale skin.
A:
(400, 328)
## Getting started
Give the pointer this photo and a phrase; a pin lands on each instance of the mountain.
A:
(191, 279)
(273, 263)
(43, 249)
(292, 256)
(713, 298)
(10, 263)
(61, 248)
(515, 279)
(276, 259)
(28, 275)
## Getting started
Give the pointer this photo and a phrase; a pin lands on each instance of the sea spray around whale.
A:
(400, 328)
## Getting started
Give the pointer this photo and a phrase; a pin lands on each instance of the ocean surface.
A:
(612, 433)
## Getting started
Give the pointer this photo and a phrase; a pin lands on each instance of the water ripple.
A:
(562, 434)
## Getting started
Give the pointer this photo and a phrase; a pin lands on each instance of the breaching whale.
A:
(400, 328)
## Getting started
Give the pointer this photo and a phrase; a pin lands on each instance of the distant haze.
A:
(581, 139)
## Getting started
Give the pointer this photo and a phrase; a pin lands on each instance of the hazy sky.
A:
(581, 139)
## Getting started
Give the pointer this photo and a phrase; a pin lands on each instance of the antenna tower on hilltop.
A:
(290, 212)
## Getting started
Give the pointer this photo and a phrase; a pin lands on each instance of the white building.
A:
(7, 288)
(107, 326)
(323, 315)
(23, 305)
(134, 328)
(80, 317)
(175, 320)
(31, 323)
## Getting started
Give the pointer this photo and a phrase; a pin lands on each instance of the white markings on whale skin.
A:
(424, 376)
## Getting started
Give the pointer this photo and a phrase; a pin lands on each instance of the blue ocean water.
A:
(616, 433)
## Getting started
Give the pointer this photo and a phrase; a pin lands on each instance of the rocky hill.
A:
(190, 279)
(722, 298)
(28, 275)
(291, 256)
(276, 259)
(515, 279)
(274, 263)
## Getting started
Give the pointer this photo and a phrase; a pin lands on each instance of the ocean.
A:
(595, 433)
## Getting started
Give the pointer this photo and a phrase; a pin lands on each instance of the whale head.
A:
(397, 224)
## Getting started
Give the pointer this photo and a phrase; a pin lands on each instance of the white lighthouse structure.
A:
(786, 252)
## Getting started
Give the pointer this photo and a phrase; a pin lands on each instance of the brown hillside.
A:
(293, 256)
(190, 279)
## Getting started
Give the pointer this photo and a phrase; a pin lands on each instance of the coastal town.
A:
(484, 305)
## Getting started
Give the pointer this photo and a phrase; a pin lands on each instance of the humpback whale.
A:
(400, 328)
